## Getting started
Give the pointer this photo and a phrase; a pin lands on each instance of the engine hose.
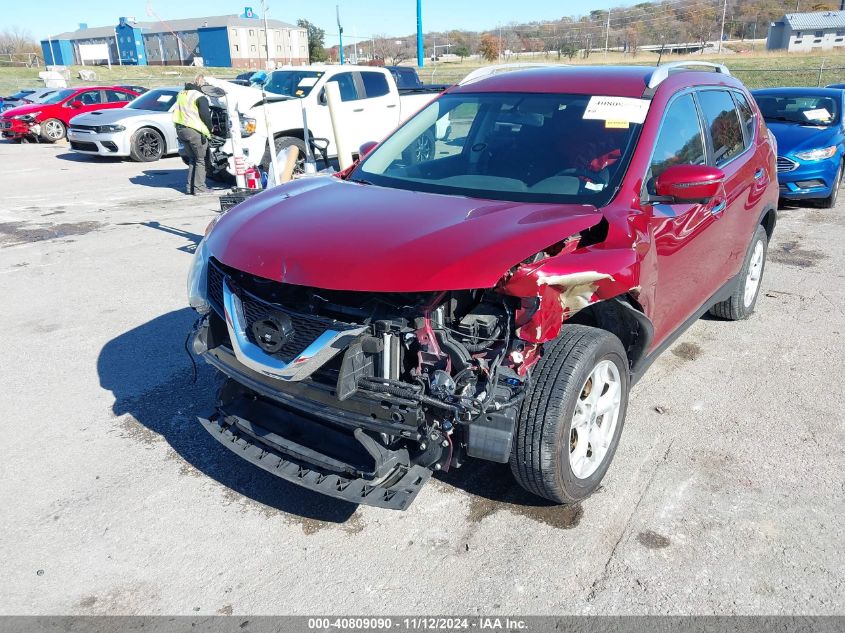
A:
(396, 384)
(405, 392)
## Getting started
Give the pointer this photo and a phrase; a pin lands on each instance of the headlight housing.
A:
(247, 126)
(198, 279)
(817, 154)
(101, 129)
(27, 117)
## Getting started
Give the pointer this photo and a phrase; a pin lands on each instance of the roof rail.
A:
(661, 73)
(496, 69)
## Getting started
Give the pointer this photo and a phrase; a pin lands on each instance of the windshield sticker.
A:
(593, 186)
(820, 114)
(617, 109)
(299, 93)
(307, 82)
(164, 98)
(621, 125)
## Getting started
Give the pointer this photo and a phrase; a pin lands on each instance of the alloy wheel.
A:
(595, 418)
(149, 144)
(755, 272)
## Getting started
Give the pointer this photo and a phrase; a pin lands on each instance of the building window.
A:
(237, 48)
(840, 33)
(252, 48)
(278, 48)
(251, 33)
(798, 41)
(797, 33)
(818, 34)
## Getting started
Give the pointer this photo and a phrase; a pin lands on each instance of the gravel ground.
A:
(726, 495)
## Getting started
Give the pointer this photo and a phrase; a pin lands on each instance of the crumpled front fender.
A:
(554, 289)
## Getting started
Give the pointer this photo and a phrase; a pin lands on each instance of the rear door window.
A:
(680, 140)
(746, 116)
(375, 84)
(90, 97)
(722, 121)
(115, 96)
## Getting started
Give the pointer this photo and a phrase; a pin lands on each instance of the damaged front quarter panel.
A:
(553, 289)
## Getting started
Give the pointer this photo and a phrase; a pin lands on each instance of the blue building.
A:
(220, 41)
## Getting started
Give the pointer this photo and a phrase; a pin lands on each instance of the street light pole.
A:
(266, 34)
(607, 33)
(420, 50)
(722, 34)
(339, 32)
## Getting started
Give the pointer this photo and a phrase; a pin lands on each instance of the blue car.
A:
(808, 126)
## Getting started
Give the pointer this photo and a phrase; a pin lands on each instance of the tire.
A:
(740, 305)
(546, 457)
(222, 176)
(830, 201)
(53, 130)
(281, 143)
(421, 150)
(146, 146)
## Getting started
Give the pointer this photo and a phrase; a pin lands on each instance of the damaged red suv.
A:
(496, 300)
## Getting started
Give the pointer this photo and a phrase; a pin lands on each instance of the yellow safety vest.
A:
(187, 113)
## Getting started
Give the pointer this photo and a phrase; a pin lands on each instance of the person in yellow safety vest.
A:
(192, 117)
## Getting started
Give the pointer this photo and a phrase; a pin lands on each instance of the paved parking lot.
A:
(727, 494)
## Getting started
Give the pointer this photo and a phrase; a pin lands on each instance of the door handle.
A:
(392, 105)
(720, 206)
(358, 110)
(759, 173)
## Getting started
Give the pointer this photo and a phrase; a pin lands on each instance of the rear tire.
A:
(740, 305)
(567, 431)
(146, 146)
(53, 130)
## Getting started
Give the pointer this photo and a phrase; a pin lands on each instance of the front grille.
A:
(786, 164)
(109, 146)
(84, 146)
(306, 327)
(83, 128)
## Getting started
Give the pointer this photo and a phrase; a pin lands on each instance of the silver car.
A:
(143, 130)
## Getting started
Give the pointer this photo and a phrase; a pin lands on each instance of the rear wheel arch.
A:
(769, 220)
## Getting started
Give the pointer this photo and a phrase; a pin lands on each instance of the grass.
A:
(755, 68)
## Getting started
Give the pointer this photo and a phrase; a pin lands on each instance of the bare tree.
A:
(392, 51)
(17, 41)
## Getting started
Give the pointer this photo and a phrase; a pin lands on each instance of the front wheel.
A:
(830, 201)
(572, 416)
(147, 145)
(53, 130)
(741, 303)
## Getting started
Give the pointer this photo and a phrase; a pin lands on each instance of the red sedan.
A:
(50, 118)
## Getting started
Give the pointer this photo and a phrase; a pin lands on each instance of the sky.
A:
(360, 18)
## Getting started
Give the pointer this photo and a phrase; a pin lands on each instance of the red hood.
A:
(327, 233)
(25, 109)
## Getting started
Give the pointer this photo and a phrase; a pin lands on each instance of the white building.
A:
(795, 32)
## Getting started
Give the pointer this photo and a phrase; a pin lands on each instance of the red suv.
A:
(50, 118)
(496, 301)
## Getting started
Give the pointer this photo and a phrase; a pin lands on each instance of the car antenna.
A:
(660, 56)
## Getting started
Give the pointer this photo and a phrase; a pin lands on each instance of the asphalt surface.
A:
(727, 494)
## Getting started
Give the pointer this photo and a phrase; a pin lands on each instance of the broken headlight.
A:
(198, 279)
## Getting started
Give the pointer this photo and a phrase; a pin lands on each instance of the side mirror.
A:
(688, 183)
(366, 148)
(76, 104)
(322, 99)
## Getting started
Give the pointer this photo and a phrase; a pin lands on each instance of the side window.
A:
(113, 96)
(746, 116)
(679, 141)
(375, 84)
(346, 83)
(90, 97)
(721, 117)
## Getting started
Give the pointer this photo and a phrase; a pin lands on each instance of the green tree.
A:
(316, 41)
(461, 51)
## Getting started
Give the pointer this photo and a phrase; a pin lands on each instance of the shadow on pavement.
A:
(162, 179)
(85, 158)
(148, 371)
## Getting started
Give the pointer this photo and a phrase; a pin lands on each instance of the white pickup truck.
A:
(371, 107)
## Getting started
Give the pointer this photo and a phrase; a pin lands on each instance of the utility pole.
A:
(339, 32)
(420, 50)
(607, 33)
(722, 34)
(266, 34)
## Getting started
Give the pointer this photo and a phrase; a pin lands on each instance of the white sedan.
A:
(143, 130)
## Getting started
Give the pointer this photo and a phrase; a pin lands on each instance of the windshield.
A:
(21, 94)
(59, 96)
(292, 83)
(520, 147)
(158, 100)
(797, 108)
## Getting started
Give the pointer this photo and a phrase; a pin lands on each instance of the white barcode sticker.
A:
(617, 109)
